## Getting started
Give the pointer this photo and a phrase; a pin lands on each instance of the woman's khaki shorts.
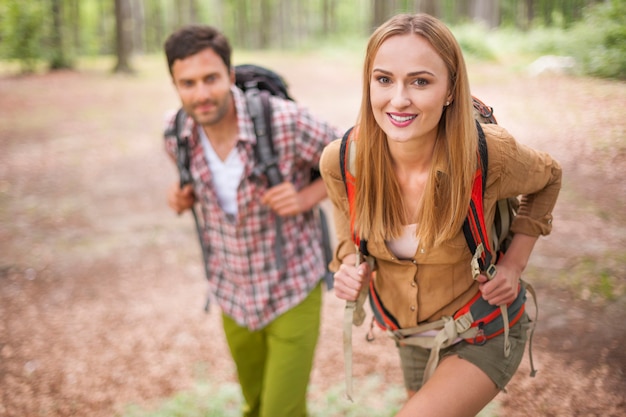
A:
(488, 357)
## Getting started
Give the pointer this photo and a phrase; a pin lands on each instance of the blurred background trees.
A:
(58, 31)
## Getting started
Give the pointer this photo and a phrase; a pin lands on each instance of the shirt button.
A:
(414, 261)
(422, 250)
(412, 308)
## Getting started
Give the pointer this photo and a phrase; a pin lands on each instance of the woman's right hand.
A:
(350, 279)
(180, 199)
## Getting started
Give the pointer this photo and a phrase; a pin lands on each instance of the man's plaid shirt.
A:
(243, 276)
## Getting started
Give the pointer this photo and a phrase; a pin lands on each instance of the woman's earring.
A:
(447, 103)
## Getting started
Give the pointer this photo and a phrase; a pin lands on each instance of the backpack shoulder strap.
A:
(182, 147)
(343, 154)
(260, 110)
(474, 226)
(347, 153)
(182, 161)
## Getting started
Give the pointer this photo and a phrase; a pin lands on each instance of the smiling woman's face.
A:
(408, 88)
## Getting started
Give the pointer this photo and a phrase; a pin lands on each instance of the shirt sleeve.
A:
(522, 171)
(311, 132)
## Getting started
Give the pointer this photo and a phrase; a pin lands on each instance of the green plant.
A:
(601, 40)
(21, 32)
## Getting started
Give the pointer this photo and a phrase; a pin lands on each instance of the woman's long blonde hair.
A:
(379, 210)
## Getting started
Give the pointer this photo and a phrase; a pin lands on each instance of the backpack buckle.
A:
(480, 338)
(474, 263)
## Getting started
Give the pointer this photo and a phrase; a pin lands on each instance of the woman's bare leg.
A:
(457, 388)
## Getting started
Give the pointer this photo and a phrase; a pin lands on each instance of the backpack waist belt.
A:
(475, 322)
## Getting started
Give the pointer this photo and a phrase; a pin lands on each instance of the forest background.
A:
(58, 32)
(101, 287)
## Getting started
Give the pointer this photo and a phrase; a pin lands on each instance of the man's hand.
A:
(179, 199)
(283, 199)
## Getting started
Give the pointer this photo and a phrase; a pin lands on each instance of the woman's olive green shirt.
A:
(438, 281)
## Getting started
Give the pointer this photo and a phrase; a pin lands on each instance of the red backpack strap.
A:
(474, 226)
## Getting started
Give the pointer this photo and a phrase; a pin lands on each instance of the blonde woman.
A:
(416, 158)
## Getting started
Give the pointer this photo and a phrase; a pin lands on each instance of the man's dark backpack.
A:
(258, 84)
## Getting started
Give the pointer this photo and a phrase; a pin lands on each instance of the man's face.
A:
(203, 84)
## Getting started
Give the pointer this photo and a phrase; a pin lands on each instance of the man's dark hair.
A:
(190, 40)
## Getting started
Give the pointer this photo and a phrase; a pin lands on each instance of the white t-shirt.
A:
(226, 174)
(405, 246)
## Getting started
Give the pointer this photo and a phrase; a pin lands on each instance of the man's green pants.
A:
(274, 363)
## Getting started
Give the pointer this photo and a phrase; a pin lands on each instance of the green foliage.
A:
(604, 51)
(21, 31)
(473, 41)
(598, 42)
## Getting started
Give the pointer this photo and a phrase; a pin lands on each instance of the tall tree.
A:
(265, 24)
(382, 10)
(74, 22)
(138, 14)
(59, 58)
(432, 7)
(329, 8)
(242, 22)
(154, 30)
(124, 36)
(487, 12)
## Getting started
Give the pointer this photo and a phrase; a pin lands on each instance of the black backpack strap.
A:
(182, 147)
(260, 110)
(474, 226)
(182, 161)
(484, 155)
(343, 150)
(342, 155)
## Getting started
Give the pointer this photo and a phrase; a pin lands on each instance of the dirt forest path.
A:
(101, 286)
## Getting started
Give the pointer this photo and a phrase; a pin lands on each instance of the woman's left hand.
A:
(502, 289)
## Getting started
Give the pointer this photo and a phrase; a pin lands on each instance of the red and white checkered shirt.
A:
(243, 275)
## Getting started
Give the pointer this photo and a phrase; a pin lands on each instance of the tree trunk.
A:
(265, 24)
(329, 8)
(242, 23)
(59, 59)
(75, 24)
(487, 12)
(382, 11)
(193, 11)
(431, 7)
(155, 32)
(530, 14)
(138, 14)
(124, 36)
